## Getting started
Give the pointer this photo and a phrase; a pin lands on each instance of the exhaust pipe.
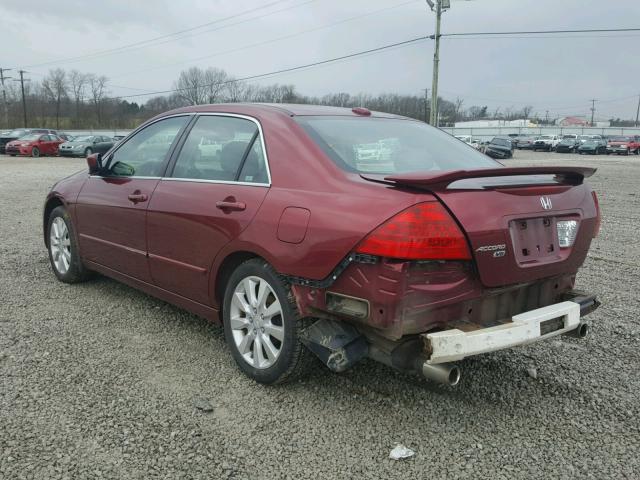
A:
(447, 373)
(580, 332)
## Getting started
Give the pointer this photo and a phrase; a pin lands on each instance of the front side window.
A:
(218, 147)
(144, 154)
(390, 146)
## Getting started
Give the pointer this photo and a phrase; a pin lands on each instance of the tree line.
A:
(76, 100)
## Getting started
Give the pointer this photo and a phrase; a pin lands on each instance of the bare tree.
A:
(526, 111)
(78, 83)
(215, 83)
(98, 87)
(457, 108)
(190, 86)
(55, 88)
(236, 90)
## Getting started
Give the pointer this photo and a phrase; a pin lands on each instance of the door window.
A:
(217, 147)
(144, 154)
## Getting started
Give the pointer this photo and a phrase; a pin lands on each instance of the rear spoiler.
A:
(442, 179)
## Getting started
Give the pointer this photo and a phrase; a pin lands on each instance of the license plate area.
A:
(551, 325)
(535, 240)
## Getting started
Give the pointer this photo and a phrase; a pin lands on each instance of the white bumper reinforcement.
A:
(452, 345)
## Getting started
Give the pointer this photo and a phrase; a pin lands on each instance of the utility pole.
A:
(439, 6)
(546, 118)
(5, 107)
(24, 100)
(426, 101)
(638, 112)
(593, 109)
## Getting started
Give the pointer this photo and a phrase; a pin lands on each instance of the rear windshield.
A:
(387, 145)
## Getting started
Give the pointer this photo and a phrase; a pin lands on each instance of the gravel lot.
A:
(101, 381)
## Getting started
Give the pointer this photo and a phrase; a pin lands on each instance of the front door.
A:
(214, 190)
(111, 208)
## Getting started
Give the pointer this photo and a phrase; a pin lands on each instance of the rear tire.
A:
(62, 245)
(262, 325)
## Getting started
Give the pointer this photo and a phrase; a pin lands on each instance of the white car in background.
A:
(469, 140)
(546, 142)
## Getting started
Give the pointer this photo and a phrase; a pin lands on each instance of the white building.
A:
(495, 123)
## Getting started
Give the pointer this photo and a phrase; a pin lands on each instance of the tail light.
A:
(425, 231)
(595, 200)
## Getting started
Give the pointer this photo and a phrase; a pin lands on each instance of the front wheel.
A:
(262, 324)
(87, 152)
(63, 248)
(35, 152)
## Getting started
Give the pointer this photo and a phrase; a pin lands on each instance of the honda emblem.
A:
(546, 203)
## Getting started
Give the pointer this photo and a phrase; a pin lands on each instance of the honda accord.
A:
(304, 244)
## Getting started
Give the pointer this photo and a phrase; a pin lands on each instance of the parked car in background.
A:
(526, 143)
(624, 145)
(34, 145)
(568, 144)
(469, 140)
(19, 133)
(546, 142)
(499, 147)
(593, 146)
(585, 138)
(290, 246)
(85, 145)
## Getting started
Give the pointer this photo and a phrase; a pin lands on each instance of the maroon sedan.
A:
(335, 233)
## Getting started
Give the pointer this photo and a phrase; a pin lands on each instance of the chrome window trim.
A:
(136, 178)
(262, 144)
(224, 182)
(115, 148)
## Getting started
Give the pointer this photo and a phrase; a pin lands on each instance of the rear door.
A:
(111, 208)
(209, 197)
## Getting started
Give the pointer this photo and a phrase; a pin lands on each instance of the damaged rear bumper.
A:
(340, 345)
(528, 327)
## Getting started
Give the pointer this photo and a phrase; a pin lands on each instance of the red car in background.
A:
(332, 232)
(34, 145)
(624, 145)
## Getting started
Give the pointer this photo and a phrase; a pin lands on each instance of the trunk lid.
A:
(510, 217)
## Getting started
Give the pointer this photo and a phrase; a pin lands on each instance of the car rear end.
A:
(481, 259)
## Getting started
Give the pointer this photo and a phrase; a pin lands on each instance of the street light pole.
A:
(436, 63)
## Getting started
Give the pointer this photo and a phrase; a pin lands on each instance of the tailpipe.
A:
(447, 373)
(581, 331)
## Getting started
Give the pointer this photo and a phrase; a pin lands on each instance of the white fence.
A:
(487, 133)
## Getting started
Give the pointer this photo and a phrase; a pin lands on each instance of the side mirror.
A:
(94, 162)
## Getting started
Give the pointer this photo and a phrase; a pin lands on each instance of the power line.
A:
(273, 40)
(153, 41)
(538, 32)
(291, 69)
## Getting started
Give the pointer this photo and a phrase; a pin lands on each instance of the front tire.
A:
(262, 324)
(63, 248)
(35, 152)
(87, 152)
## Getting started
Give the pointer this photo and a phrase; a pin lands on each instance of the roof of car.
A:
(291, 109)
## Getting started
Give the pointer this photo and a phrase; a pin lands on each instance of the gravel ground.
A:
(101, 381)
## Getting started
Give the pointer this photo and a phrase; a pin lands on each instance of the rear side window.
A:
(144, 154)
(222, 148)
(388, 145)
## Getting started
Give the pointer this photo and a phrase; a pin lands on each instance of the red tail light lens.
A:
(423, 232)
(595, 200)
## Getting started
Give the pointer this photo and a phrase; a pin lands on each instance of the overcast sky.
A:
(560, 74)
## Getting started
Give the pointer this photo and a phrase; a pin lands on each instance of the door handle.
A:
(231, 206)
(137, 197)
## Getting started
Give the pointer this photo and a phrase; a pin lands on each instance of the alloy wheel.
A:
(256, 322)
(60, 245)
